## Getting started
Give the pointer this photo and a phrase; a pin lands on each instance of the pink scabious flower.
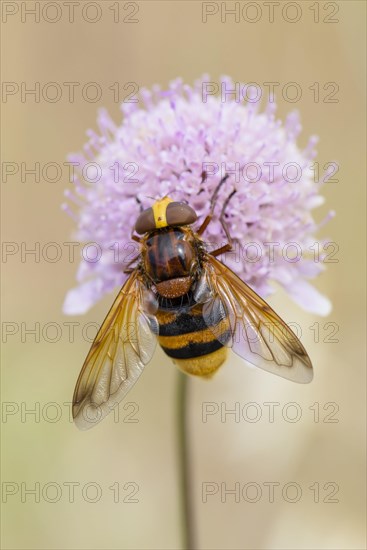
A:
(178, 143)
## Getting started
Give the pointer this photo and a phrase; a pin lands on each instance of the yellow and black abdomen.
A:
(193, 346)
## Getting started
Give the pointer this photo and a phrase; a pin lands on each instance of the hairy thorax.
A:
(169, 260)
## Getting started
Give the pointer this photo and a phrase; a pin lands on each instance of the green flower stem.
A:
(184, 463)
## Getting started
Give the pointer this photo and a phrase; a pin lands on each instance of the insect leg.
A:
(213, 201)
(135, 237)
(227, 247)
(222, 219)
(127, 269)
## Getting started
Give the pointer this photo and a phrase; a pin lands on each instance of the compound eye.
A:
(145, 222)
(180, 213)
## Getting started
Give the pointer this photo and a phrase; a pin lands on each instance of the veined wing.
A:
(256, 333)
(124, 344)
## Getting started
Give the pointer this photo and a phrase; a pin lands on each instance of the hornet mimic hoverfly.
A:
(195, 306)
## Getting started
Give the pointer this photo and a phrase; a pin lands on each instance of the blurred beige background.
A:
(171, 40)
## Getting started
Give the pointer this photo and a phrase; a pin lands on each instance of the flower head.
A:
(176, 144)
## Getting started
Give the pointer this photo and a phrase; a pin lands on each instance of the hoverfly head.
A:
(164, 213)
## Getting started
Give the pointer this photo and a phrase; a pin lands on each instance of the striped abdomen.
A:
(187, 339)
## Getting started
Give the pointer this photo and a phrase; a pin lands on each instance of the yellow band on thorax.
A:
(160, 212)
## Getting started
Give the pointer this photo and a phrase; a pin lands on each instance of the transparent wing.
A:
(256, 333)
(124, 344)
